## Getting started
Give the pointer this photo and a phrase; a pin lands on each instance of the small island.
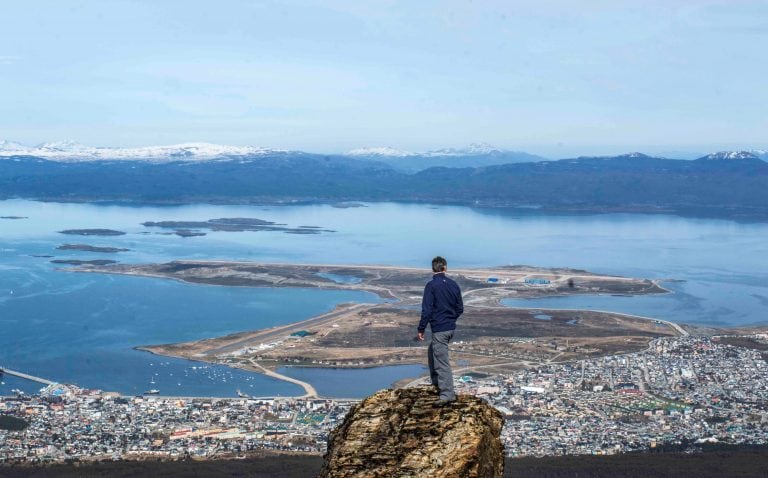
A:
(89, 248)
(79, 262)
(92, 232)
(231, 224)
(188, 233)
(14, 217)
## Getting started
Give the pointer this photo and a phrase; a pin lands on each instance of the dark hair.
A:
(439, 264)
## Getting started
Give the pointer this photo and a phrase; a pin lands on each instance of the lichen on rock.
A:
(399, 433)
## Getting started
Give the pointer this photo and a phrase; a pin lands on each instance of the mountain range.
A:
(476, 154)
(73, 151)
(724, 184)
(479, 154)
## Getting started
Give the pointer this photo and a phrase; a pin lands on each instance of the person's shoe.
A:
(440, 403)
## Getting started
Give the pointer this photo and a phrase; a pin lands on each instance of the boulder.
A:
(400, 433)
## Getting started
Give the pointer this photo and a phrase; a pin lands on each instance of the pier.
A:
(25, 376)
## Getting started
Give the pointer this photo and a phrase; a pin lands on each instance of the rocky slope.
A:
(398, 433)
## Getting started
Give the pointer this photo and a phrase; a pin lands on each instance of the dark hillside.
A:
(730, 188)
(743, 463)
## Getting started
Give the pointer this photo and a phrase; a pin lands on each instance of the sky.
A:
(556, 78)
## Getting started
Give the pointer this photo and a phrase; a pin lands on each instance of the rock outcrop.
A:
(399, 433)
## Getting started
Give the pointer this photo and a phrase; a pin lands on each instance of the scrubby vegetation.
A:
(8, 422)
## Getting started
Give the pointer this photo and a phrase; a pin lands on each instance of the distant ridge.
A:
(634, 155)
(474, 149)
(379, 151)
(473, 155)
(742, 461)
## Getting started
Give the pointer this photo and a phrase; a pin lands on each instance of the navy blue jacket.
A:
(441, 305)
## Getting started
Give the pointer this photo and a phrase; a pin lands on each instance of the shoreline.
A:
(396, 283)
(310, 391)
(740, 215)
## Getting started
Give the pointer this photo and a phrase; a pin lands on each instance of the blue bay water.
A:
(351, 383)
(83, 327)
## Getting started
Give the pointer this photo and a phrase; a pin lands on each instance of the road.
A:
(309, 389)
(269, 335)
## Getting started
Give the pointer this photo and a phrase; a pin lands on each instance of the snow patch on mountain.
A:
(379, 151)
(67, 146)
(474, 149)
(733, 155)
(635, 155)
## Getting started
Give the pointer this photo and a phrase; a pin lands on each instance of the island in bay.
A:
(82, 262)
(494, 338)
(90, 248)
(92, 232)
(231, 224)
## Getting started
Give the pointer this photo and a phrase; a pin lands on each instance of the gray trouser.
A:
(440, 364)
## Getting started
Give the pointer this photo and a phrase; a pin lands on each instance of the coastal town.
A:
(680, 391)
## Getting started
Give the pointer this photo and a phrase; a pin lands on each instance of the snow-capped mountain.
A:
(733, 155)
(73, 151)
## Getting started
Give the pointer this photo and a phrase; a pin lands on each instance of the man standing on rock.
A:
(440, 308)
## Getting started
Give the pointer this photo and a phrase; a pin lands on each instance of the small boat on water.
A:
(154, 391)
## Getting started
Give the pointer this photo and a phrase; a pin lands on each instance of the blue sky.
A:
(551, 77)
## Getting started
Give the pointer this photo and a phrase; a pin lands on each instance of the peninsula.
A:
(493, 337)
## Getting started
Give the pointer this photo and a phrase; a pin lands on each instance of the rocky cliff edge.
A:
(399, 433)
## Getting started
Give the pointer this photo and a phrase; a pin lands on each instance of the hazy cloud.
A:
(337, 74)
